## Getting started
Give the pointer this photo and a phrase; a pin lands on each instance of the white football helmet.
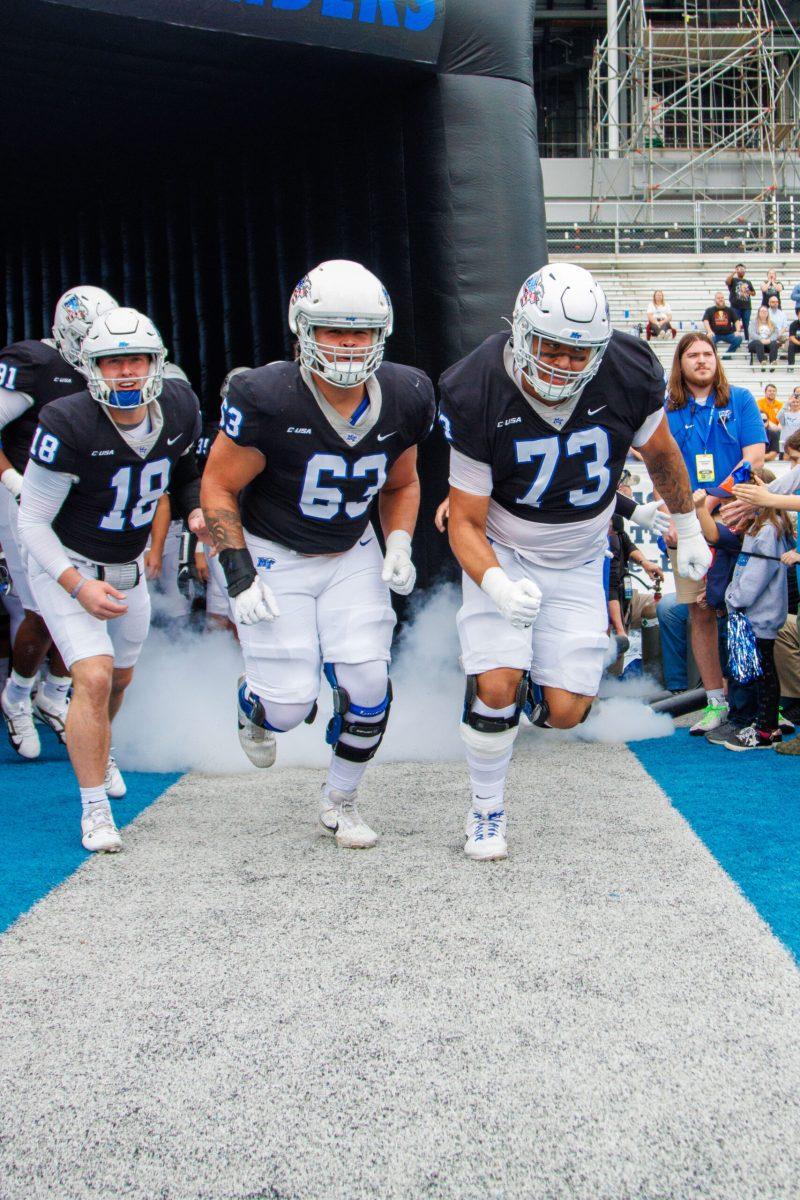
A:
(75, 312)
(123, 331)
(559, 303)
(340, 295)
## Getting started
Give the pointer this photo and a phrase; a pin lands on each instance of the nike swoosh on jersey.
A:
(366, 543)
(172, 441)
(383, 436)
(590, 412)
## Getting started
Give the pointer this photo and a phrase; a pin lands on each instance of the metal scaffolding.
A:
(672, 88)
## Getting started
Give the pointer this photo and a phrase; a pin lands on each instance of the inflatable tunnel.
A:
(195, 157)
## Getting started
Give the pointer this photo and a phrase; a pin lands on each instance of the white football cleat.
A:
(22, 732)
(339, 816)
(98, 831)
(258, 743)
(56, 718)
(486, 836)
(114, 784)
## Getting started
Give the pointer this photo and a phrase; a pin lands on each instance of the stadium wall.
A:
(195, 157)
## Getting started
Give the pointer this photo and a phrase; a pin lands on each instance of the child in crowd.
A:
(726, 542)
(758, 588)
(789, 419)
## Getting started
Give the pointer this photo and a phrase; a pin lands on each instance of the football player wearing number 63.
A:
(99, 461)
(539, 425)
(304, 450)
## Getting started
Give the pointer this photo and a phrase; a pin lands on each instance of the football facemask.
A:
(124, 331)
(560, 304)
(340, 295)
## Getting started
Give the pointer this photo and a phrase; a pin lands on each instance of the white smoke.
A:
(180, 712)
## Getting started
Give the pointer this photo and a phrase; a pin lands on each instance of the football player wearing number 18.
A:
(99, 461)
(539, 426)
(305, 447)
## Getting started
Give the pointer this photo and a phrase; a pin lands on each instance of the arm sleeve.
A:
(647, 428)
(751, 427)
(469, 475)
(625, 506)
(241, 416)
(43, 493)
(463, 425)
(13, 405)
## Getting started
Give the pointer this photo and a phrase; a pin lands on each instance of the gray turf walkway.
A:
(235, 1009)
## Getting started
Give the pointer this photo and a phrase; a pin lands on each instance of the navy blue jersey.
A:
(540, 473)
(40, 372)
(109, 509)
(316, 490)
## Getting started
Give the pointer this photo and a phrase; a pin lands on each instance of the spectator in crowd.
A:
(759, 589)
(771, 287)
(779, 319)
(659, 317)
(727, 544)
(740, 295)
(626, 606)
(787, 657)
(764, 343)
(793, 341)
(789, 419)
(770, 406)
(796, 297)
(723, 324)
(716, 426)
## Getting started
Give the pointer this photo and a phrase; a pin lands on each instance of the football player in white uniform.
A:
(539, 425)
(99, 461)
(304, 449)
(32, 373)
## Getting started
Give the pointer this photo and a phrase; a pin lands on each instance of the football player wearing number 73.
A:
(305, 449)
(99, 461)
(539, 425)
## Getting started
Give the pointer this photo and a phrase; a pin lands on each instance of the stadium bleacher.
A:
(689, 283)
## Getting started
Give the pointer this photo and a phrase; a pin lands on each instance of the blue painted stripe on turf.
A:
(40, 822)
(746, 808)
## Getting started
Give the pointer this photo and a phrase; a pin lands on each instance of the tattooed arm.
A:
(229, 469)
(664, 461)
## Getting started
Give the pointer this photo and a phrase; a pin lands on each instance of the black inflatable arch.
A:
(194, 157)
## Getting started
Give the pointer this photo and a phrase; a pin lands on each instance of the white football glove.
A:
(694, 552)
(651, 516)
(13, 481)
(518, 600)
(256, 604)
(398, 569)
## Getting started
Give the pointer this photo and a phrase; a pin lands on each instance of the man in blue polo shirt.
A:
(716, 426)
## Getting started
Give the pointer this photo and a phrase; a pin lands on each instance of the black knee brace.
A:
(340, 723)
(486, 724)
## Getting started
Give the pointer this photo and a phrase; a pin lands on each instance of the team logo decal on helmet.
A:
(532, 290)
(302, 290)
(340, 295)
(560, 305)
(75, 312)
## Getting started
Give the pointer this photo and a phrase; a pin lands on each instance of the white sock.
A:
(487, 774)
(716, 696)
(343, 775)
(55, 689)
(91, 797)
(18, 688)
